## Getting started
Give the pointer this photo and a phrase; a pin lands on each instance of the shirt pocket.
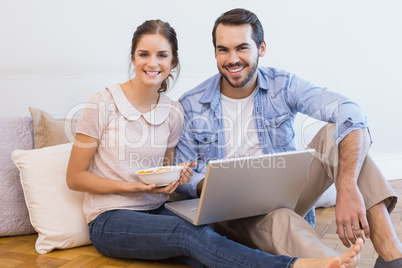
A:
(280, 130)
(206, 141)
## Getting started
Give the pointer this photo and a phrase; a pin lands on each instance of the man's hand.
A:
(186, 173)
(350, 213)
(350, 210)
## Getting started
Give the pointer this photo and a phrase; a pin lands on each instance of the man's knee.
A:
(281, 213)
(325, 146)
(277, 217)
(325, 134)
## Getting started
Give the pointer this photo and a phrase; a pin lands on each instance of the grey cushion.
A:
(15, 133)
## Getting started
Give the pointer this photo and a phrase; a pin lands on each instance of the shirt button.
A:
(205, 139)
(276, 123)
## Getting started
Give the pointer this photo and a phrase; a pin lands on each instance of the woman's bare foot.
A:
(350, 259)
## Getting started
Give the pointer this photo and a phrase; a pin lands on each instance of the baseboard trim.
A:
(390, 165)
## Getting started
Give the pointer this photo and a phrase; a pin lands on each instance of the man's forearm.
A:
(353, 150)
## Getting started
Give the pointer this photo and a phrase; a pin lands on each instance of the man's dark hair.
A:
(240, 16)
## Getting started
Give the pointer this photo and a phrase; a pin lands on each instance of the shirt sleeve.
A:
(325, 105)
(92, 121)
(176, 117)
(186, 150)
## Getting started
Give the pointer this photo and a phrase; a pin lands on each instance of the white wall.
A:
(55, 54)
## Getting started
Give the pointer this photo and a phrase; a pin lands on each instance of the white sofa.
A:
(18, 214)
(34, 195)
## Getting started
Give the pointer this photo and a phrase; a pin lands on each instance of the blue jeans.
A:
(310, 217)
(160, 234)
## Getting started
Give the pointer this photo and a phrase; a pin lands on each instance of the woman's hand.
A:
(185, 176)
(152, 188)
(186, 173)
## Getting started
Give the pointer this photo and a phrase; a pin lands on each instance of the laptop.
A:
(247, 186)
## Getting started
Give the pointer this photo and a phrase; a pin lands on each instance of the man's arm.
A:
(350, 210)
(186, 150)
(353, 140)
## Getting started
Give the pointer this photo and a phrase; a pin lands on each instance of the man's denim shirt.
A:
(279, 97)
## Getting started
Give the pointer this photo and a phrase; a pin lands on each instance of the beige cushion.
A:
(55, 211)
(49, 131)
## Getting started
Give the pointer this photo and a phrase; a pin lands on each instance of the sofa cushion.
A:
(15, 133)
(55, 211)
(49, 131)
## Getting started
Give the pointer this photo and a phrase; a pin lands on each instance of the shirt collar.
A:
(212, 86)
(262, 81)
(154, 117)
(212, 89)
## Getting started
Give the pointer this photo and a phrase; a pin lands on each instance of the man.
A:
(247, 110)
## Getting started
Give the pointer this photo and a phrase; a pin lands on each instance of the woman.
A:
(134, 125)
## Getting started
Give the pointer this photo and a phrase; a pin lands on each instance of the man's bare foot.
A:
(350, 259)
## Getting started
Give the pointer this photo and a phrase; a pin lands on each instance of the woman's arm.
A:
(169, 157)
(80, 179)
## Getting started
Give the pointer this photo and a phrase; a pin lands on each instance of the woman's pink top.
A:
(128, 141)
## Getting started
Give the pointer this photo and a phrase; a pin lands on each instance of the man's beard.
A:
(246, 80)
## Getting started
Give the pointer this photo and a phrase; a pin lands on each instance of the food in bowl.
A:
(161, 176)
(161, 169)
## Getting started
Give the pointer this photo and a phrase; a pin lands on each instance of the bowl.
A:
(161, 176)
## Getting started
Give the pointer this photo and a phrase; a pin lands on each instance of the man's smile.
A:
(235, 69)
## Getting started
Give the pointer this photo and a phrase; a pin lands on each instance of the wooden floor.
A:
(326, 227)
(19, 251)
